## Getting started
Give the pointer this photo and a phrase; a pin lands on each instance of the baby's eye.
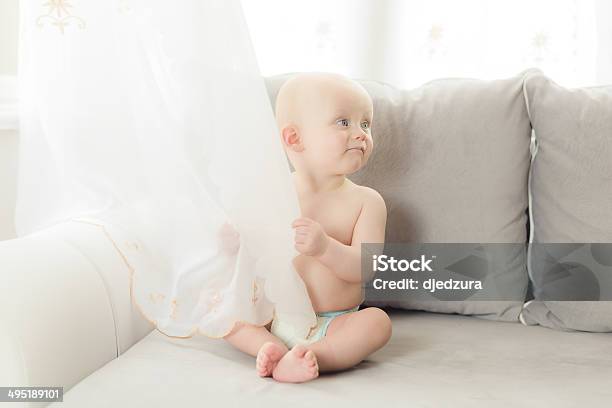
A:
(343, 122)
(365, 125)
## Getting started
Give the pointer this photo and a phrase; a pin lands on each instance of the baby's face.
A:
(336, 129)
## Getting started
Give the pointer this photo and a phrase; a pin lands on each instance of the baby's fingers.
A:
(301, 233)
(301, 247)
(303, 221)
(302, 230)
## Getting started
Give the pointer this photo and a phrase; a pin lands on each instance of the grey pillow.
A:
(451, 159)
(571, 188)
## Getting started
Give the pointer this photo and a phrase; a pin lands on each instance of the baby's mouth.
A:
(361, 149)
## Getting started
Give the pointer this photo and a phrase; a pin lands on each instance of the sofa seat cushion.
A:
(431, 361)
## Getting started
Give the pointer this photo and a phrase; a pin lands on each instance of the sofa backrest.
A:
(451, 159)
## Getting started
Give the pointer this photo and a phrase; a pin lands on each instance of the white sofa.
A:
(66, 319)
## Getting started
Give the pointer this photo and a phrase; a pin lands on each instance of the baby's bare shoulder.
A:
(372, 218)
(369, 197)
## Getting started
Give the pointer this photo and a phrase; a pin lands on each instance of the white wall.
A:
(8, 138)
(8, 36)
(604, 27)
(8, 172)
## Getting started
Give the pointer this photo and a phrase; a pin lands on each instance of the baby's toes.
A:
(313, 371)
(262, 369)
(267, 358)
(310, 364)
(262, 364)
(262, 359)
(310, 358)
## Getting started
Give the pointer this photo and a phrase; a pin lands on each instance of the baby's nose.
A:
(360, 135)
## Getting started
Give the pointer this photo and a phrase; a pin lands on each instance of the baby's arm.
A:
(345, 260)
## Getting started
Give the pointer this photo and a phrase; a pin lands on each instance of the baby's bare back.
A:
(337, 212)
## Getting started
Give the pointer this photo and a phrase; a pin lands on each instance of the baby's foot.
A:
(268, 357)
(297, 365)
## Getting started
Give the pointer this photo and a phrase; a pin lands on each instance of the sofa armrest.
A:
(65, 308)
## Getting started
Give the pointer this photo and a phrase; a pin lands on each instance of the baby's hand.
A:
(229, 239)
(310, 238)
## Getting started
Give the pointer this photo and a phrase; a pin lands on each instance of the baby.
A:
(324, 122)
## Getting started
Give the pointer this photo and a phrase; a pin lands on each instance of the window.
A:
(407, 43)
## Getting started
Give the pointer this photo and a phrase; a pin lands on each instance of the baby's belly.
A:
(326, 291)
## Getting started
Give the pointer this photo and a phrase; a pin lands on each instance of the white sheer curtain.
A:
(151, 121)
(407, 43)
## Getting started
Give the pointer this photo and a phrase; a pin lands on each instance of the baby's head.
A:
(324, 121)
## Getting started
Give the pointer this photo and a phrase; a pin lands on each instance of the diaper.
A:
(285, 332)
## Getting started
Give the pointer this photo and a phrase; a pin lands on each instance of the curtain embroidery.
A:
(59, 16)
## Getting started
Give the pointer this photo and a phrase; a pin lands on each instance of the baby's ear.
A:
(292, 139)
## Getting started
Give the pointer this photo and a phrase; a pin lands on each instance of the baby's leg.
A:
(260, 343)
(352, 337)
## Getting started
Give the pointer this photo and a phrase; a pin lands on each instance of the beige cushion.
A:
(571, 187)
(432, 360)
(451, 160)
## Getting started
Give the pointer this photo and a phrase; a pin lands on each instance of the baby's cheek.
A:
(330, 147)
